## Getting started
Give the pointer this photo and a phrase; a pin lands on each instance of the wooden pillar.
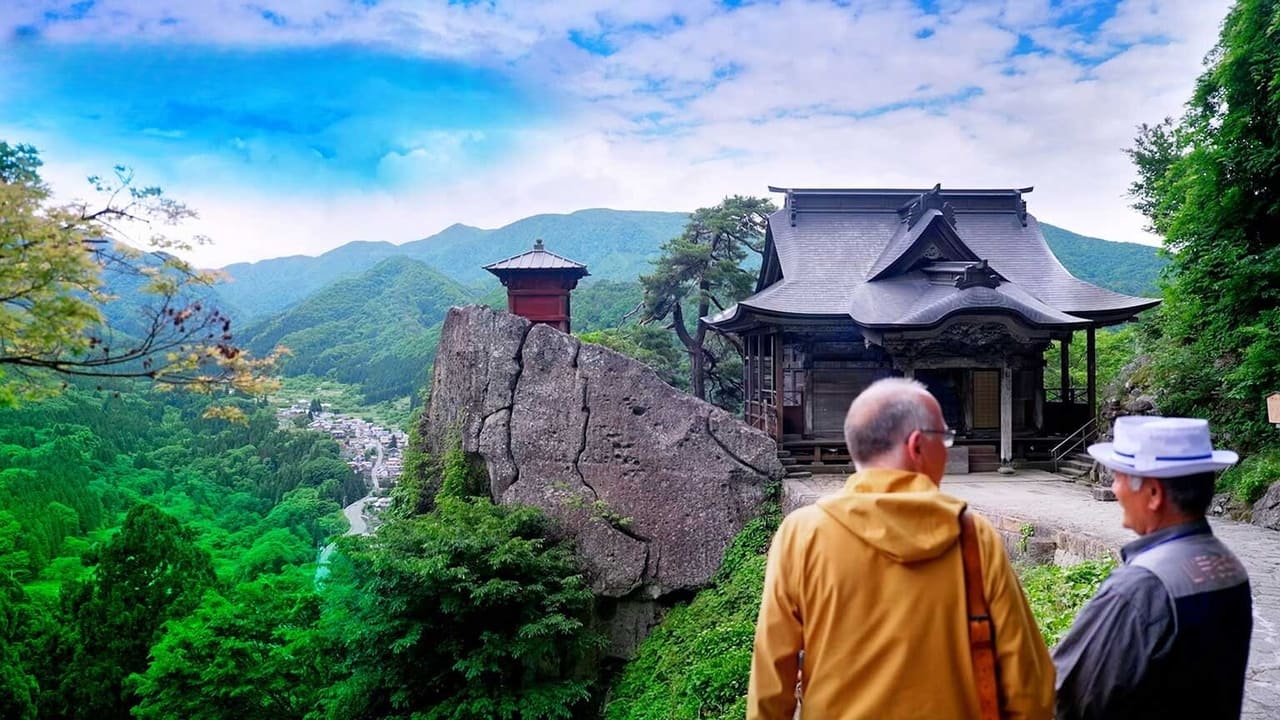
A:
(1038, 416)
(1065, 357)
(1006, 414)
(777, 384)
(748, 370)
(1092, 364)
(966, 385)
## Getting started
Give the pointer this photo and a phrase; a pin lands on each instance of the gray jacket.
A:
(1167, 635)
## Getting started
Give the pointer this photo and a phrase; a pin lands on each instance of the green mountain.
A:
(1127, 268)
(614, 244)
(378, 330)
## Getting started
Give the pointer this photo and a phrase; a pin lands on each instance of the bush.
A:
(1057, 593)
(696, 664)
(465, 612)
(1249, 480)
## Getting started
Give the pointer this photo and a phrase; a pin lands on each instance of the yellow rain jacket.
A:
(869, 583)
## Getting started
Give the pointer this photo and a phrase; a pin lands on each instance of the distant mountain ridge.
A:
(615, 245)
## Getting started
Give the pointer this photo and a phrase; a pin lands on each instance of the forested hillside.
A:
(615, 245)
(378, 330)
(118, 510)
(1128, 268)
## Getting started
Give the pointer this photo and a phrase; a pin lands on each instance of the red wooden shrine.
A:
(538, 283)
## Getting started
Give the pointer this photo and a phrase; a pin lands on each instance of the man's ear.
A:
(913, 444)
(1157, 494)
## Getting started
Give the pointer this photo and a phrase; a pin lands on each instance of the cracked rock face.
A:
(651, 484)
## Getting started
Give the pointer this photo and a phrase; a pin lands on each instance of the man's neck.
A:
(1171, 519)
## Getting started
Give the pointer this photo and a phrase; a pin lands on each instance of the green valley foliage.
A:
(1210, 184)
(159, 565)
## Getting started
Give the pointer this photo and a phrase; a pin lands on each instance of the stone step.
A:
(830, 469)
(799, 474)
(784, 454)
(787, 461)
(1080, 467)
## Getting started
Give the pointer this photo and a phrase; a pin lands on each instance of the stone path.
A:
(1072, 526)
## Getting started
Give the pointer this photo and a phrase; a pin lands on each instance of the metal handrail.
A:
(1086, 432)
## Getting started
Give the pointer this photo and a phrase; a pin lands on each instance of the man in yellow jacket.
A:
(869, 584)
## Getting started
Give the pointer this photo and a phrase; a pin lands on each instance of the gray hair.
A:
(1190, 494)
(883, 415)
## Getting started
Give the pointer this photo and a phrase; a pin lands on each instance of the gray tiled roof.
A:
(830, 244)
(536, 259)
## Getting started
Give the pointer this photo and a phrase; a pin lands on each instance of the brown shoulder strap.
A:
(981, 629)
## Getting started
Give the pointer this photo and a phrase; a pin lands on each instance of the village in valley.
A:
(374, 452)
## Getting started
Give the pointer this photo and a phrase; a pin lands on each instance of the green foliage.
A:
(1210, 183)
(1115, 348)
(254, 654)
(650, 345)
(463, 476)
(704, 265)
(1249, 480)
(697, 662)
(1056, 593)
(419, 478)
(465, 612)
(378, 330)
(149, 573)
(605, 304)
(19, 685)
(1127, 268)
(62, 265)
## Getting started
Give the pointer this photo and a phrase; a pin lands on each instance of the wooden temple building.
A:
(956, 288)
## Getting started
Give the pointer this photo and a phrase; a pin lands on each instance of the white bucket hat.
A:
(1157, 447)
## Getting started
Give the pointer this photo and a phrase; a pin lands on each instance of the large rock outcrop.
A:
(649, 483)
(1266, 512)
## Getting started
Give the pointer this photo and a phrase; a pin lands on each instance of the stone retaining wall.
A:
(1026, 540)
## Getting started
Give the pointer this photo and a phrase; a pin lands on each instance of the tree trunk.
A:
(693, 345)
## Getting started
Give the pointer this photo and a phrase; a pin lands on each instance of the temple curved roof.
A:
(539, 258)
(894, 258)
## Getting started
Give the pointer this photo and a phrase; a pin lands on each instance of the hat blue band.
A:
(1169, 458)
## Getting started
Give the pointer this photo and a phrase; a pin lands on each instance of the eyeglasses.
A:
(948, 435)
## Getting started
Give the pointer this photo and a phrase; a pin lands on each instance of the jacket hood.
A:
(902, 514)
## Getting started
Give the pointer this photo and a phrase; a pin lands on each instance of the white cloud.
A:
(766, 94)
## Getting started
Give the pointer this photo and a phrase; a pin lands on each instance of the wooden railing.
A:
(1069, 396)
(762, 414)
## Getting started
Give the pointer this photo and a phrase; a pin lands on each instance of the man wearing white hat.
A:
(1167, 635)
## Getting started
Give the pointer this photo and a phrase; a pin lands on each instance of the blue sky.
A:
(297, 125)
